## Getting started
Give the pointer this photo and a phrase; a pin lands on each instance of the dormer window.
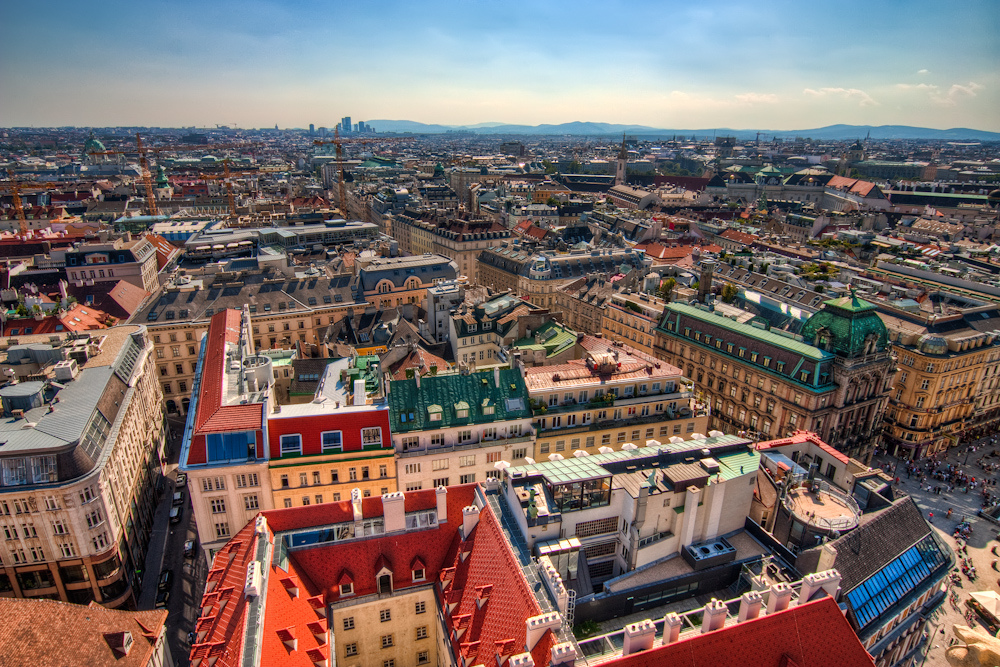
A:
(419, 575)
(461, 410)
(472, 327)
(487, 325)
(347, 589)
(488, 407)
(434, 413)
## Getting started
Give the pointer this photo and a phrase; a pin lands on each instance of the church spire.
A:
(622, 163)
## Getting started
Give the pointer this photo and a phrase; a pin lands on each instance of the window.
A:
(101, 541)
(303, 479)
(420, 608)
(284, 481)
(94, 519)
(218, 505)
(520, 453)
(440, 481)
(291, 444)
(387, 641)
(347, 589)
(422, 632)
(249, 479)
(288, 502)
(222, 529)
(352, 474)
(465, 461)
(371, 437)
(423, 658)
(352, 648)
(467, 479)
(305, 500)
(59, 528)
(419, 575)
(332, 441)
(385, 615)
(251, 503)
(349, 623)
(389, 662)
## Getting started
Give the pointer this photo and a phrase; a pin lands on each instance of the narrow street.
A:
(166, 552)
(964, 506)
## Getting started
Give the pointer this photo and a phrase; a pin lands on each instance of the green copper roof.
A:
(850, 323)
(792, 345)
(477, 394)
(555, 339)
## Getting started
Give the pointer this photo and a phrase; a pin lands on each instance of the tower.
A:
(622, 163)
(705, 280)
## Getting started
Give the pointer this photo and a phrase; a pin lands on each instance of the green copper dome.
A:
(93, 145)
(847, 326)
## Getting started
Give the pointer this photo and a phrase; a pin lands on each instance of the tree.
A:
(667, 289)
(552, 201)
(729, 292)
(549, 167)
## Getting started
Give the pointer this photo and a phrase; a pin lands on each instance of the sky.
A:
(674, 65)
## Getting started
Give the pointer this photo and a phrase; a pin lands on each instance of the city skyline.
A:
(663, 65)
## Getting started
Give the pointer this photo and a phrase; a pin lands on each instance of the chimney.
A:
(537, 625)
(563, 655)
(359, 392)
(714, 616)
(496, 376)
(828, 581)
(416, 376)
(393, 511)
(750, 605)
(779, 597)
(521, 660)
(470, 518)
(442, 504)
(672, 624)
(356, 504)
(639, 637)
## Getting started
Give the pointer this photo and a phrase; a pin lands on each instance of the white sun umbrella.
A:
(629, 446)
(605, 450)
(580, 453)
(500, 465)
(652, 443)
(715, 434)
(555, 457)
(530, 460)
(676, 440)
(697, 436)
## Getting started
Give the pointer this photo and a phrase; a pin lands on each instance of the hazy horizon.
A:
(255, 64)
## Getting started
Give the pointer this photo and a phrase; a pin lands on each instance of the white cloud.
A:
(917, 86)
(923, 71)
(864, 99)
(948, 98)
(757, 98)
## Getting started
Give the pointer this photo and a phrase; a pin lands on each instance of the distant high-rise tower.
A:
(345, 124)
(622, 163)
(312, 129)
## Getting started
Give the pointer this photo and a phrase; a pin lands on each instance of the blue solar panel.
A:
(894, 581)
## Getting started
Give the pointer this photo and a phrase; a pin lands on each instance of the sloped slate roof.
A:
(448, 390)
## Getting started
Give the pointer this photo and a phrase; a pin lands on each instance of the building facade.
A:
(83, 444)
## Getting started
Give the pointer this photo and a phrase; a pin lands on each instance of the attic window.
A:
(434, 413)
(419, 575)
(461, 410)
(326, 298)
(347, 588)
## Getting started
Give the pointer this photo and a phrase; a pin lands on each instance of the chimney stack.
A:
(779, 597)
(639, 637)
(394, 511)
(441, 493)
(672, 624)
(714, 616)
(750, 605)
(829, 581)
(470, 518)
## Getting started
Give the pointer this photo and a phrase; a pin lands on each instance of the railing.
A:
(653, 539)
(457, 447)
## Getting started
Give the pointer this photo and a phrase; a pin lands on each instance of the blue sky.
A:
(773, 65)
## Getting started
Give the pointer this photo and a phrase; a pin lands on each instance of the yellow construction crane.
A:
(226, 178)
(15, 187)
(339, 142)
(147, 178)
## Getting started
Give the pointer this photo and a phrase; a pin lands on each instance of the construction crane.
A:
(147, 178)
(15, 189)
(339, 142)
(226, 178)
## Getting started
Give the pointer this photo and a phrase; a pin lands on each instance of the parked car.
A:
(180, 480)
(178, 498)
(175, 515)
(189, 548)
(166, 580)
(162, 599)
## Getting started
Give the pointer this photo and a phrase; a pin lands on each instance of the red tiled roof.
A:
(510, 602)
(325, 564)
(48, 632)
(212, 415)
(815, 634)
(291, 613)
(128, 296)
(658, 251)
(164, 250)
(738, 236)
(801, 437)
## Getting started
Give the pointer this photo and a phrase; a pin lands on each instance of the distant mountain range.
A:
(584, 128)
